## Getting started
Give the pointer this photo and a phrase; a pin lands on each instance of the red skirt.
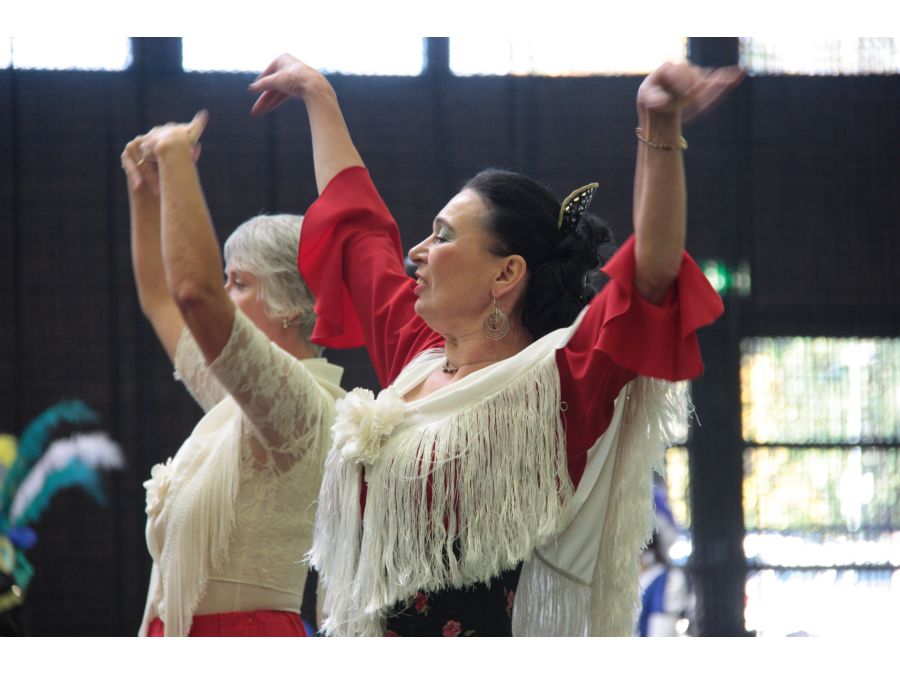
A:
(262, 623)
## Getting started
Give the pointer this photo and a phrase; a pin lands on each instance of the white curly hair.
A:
(266, 246)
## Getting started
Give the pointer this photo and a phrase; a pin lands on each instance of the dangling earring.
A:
(286, 323)
(496, 324)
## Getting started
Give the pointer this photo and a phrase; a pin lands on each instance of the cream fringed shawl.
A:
(469, 481)
(200, 518)
(234, 509)
(585, 581)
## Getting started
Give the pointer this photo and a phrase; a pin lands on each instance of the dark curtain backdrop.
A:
(798, 177)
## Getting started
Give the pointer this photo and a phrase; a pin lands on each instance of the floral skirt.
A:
(482, 610)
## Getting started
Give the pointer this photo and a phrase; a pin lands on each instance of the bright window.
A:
(562, 55)
(820, 390)
(827, 602)
(678, 491)
(373, 56)
(821, 56)
(821, 423)
(65, 52)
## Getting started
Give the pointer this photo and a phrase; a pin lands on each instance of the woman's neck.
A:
(469, 353)
(296, 347)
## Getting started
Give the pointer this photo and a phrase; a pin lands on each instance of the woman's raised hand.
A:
(686, 89)
(155, 139)
(140, 173)
(286, 77)
(139, 156)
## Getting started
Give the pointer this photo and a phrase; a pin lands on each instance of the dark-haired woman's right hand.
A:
(286, 77)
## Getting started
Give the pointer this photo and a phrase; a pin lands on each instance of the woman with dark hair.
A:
(501, 482)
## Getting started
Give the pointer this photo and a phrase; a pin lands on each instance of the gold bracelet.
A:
(682, 143)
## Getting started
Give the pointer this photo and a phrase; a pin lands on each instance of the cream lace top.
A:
(230, 517)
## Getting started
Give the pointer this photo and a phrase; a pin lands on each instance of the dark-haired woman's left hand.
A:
(687, 89)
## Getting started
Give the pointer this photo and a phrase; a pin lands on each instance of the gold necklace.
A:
(449, 368)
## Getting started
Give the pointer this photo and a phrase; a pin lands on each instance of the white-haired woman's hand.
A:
(174, 132)
(139, 156)
(687, 89)
(286, 77)
(140, 174)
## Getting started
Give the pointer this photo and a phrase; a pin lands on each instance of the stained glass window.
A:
(820, 390)
(821, 484)
(823, 491)
(678, 482)
(678, 490)
(821, 56)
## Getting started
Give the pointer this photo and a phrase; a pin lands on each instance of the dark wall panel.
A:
(825, 196)
(9, 299)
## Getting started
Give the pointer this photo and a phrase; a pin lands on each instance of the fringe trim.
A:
(655, 411)
(550, 602)
(200, 520)
(449, 503)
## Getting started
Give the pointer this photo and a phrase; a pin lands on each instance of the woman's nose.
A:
(417, 253)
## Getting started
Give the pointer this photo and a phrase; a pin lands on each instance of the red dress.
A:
(352, 259)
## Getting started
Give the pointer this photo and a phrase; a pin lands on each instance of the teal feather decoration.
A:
(34, 440)
(75, 474)
(40, 468)
(67, 462)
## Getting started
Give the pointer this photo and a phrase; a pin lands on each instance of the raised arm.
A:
(287, 77)
(146, 247)
(667, 95)
(350, 250)
(190, 251)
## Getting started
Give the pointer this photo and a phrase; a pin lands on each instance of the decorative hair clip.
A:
(574, 206)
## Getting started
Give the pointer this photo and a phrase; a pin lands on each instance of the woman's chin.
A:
(427, 314)
(421, 308)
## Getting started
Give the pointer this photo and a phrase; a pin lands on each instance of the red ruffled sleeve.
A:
(622, 335)
(653, 340)
(352, 260)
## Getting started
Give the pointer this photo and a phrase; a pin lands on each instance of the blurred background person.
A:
(666, 597)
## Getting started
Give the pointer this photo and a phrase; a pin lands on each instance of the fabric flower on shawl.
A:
(363, 422)
(158, 486)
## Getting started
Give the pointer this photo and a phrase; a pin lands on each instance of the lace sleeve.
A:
(289, 409)
(192, 371)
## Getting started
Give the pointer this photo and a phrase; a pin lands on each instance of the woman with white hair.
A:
(230, 516)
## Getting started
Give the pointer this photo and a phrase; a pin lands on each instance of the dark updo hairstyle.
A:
(522, 220)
